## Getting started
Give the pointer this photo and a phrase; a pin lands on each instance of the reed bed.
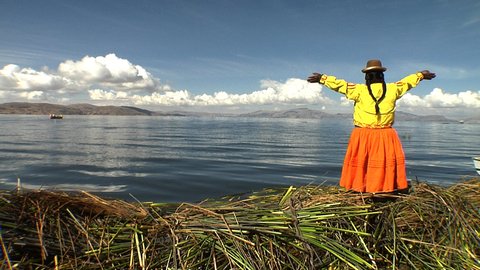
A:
(308, 227)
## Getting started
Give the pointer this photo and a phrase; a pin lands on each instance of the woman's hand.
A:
(427, 75)
(315, 78)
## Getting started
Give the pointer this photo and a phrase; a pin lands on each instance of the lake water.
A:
(174, 159)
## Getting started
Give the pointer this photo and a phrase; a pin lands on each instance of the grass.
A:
(308, 227)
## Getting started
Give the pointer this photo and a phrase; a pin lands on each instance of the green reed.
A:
(308, 227)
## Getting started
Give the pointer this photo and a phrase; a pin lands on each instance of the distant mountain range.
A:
(75, 109)
(303, 113)
(299, 113)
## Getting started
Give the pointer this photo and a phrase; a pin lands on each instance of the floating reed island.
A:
(308, 227)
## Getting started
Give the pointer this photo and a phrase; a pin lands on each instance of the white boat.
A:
(476, 162)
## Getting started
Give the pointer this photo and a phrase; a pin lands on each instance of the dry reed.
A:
(309, 227)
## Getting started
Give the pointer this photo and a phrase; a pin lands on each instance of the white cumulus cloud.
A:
(109, 70)
(293, 91)
(111, 77)
(12, 77)
(113, 80)
(33, 95)
(100, 94)
(439, 99)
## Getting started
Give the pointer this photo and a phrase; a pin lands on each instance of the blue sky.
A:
(235, 55)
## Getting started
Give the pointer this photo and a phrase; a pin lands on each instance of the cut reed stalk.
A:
(310, 227)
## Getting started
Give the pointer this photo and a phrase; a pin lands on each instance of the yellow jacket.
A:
(364, 113)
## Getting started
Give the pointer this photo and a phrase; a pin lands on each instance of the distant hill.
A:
(475, 119)
(88, 109)
(303, 113)
(192, 114)
(75, 109)
(293, 113)
(36, 108)
(403, 116)
(298, 113)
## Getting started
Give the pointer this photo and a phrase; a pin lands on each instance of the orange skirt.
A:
(374, 161)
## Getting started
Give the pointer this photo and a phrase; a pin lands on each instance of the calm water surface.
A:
(190, 159)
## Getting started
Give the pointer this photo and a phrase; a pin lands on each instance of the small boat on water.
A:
(476, 163)
(56, 116)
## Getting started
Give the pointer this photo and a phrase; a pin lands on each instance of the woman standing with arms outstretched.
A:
(374, 161)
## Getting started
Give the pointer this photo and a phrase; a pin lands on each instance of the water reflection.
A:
(188, 159)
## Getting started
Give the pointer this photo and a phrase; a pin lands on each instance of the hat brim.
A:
(374, 68)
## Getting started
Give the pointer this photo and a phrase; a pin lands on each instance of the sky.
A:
(236, 56)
